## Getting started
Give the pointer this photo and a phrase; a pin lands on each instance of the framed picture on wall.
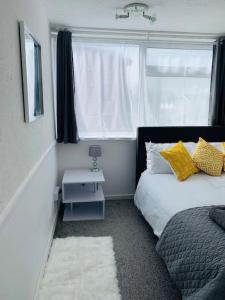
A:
(31, 74)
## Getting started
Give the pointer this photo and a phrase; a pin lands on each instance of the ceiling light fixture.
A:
(135, 9)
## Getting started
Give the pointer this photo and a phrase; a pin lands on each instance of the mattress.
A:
(160, 196)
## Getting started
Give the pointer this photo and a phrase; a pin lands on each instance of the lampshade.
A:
(95, 151)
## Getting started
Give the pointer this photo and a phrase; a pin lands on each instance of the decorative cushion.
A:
(180, 161)
(208, 158)
(156, 164)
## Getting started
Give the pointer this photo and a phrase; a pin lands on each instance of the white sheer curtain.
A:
(177, 87)
(106, 89)
(119, 87)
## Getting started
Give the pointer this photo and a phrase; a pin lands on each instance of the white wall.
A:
(172, 15)
(26, 231)
(28, 172)
(117, 161)
(21, 144)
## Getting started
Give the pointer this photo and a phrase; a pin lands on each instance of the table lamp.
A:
(95, 151)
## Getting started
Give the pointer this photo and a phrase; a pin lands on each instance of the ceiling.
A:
(204, 16)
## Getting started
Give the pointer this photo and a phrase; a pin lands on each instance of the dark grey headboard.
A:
(173, 135)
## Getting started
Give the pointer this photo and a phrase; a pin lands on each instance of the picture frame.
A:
(31, 63)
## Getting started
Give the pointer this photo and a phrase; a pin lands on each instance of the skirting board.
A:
(119, 197)
(45, 259)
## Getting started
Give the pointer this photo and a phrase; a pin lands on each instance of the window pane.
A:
(174, 101)
(178, 62)
(177, 87)
(106, 89)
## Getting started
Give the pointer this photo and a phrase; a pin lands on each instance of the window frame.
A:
(143, 46)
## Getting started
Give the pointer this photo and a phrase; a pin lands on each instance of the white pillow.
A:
(218, 145)
(156, 164)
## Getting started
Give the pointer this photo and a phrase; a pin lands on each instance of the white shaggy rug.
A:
(80, 268)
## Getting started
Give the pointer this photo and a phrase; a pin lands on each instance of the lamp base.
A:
(94, 169)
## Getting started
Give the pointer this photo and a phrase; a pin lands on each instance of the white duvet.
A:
(160, 196)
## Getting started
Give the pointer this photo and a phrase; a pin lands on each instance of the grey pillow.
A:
(217, 214)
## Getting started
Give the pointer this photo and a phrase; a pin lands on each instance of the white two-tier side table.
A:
(83, 195)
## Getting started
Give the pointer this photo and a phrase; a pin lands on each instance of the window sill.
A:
(108, 139)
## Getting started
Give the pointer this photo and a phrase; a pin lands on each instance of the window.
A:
(119, 87)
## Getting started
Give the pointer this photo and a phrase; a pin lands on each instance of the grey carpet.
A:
(141, 273)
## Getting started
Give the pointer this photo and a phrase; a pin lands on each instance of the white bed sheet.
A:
(160, 196)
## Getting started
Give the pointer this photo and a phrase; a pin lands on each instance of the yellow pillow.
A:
(207, 158)
(180, 161)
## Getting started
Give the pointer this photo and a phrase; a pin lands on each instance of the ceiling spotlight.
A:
(135, 9)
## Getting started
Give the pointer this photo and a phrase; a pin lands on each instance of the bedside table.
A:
(83, 195)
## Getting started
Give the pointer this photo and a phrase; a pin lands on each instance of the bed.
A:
(192, 247)
(191, 244)
(160, 196)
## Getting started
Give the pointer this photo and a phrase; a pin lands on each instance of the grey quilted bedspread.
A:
(193, 248)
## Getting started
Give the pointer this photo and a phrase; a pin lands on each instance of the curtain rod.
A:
(87, 32)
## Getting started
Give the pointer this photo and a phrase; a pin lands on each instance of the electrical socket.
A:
(56, 193)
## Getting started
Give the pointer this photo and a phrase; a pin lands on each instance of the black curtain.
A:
(66, 119)
(217, 93)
